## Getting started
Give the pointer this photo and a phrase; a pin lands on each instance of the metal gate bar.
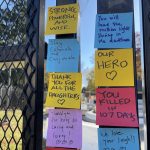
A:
(146, 43)
(21, 74)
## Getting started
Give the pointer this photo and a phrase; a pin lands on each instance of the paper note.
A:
(118, 139)
(116, 107)
(64, 90)
(114, 67)
(63, 55)
(114, 30)
(60, 149)
(62, 19)
(64, 128)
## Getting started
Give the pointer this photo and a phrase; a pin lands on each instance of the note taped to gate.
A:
(114, 30)
(118, 139)
(116, 107)
(59, 148)
(64, 128)
(114, 67)
(64, 90)
(63, 55)
(62, 19)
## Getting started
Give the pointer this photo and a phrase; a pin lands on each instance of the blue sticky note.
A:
(114, 30)
(118, 139)
(63, 55)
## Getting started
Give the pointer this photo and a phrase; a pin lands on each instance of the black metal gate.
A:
(21, 74)
(146, 43)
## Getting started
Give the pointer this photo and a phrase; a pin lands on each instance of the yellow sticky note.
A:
(114, 67)
(64, 90)
(62, 19)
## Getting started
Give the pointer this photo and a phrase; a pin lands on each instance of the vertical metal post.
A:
(34, 65)
(146, 43)
(40, 4)
(65, 2)
(117, 6)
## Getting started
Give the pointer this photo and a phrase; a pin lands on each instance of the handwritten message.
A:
(114, 67)
(63, 55)
(113, 30)
(116, 107)
(60, 149)
(118, 139)
(64, 90)
(64, 128)
(62, 19)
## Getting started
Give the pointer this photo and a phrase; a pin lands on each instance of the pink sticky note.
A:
(64, 128)
(116, 107)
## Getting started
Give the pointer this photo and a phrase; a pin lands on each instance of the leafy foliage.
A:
(12, 22)
(91, 81)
